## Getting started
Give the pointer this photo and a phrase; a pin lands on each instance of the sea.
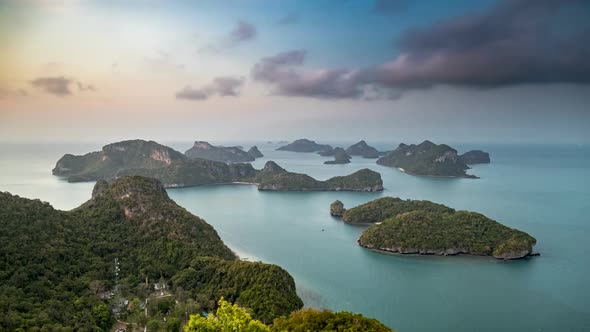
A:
(543, 190)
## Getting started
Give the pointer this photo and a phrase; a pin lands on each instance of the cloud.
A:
(222, 86)
(59, 86)
(282, 71)
(242, 32)
(85, 87)
(514, 42)
(291, 18)
(8, 93)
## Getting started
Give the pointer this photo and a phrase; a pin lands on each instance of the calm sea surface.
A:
(543, 190)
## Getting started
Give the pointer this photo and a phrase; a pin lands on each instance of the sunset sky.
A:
(389, 70)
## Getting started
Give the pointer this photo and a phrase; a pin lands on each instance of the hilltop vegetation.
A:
(58, 270)
(234, 318)
(382, 208)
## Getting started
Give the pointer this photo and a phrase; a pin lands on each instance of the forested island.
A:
(174, 169)
(431, 159)
(231, 154)
(424, 227)
(362, 149)
(305, 145)
(340, 157)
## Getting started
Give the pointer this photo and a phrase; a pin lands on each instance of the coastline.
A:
(459, 253)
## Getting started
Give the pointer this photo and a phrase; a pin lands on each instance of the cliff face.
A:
(231, 154)
(426, 158)
(305, 145)
(362, 149)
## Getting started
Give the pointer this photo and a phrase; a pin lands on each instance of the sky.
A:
(386, 70)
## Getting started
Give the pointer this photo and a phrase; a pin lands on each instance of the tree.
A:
(102, 314)
(228, 318)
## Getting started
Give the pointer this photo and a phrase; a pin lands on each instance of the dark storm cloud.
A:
(514, 42)
(222, 86)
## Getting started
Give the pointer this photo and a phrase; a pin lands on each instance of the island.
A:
(340, 157)
(304, 145)
(273, 177)
(173, 169)
(128, 243)
(327, 153)
(427, 228)
(475, 157)
(337, 209)
(427, 159)
(255, 153)
(362, 149)
(226, 154)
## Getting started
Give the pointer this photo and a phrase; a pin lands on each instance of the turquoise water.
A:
(543, 190)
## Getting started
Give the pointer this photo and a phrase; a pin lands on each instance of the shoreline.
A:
(418, 254)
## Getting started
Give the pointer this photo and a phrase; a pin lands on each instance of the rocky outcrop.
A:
(475, 157)
(340, 157)
(255, 153)
(337, 209)
(304, 145)
(362, 149)
(231, 154)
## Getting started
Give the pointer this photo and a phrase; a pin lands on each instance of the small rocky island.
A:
(431, 159)
(340, 157)
(362, 149)
(226, 154)
(255, 153)
(427, 228)
(304, 145)
(173, 169)
(475, 157)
